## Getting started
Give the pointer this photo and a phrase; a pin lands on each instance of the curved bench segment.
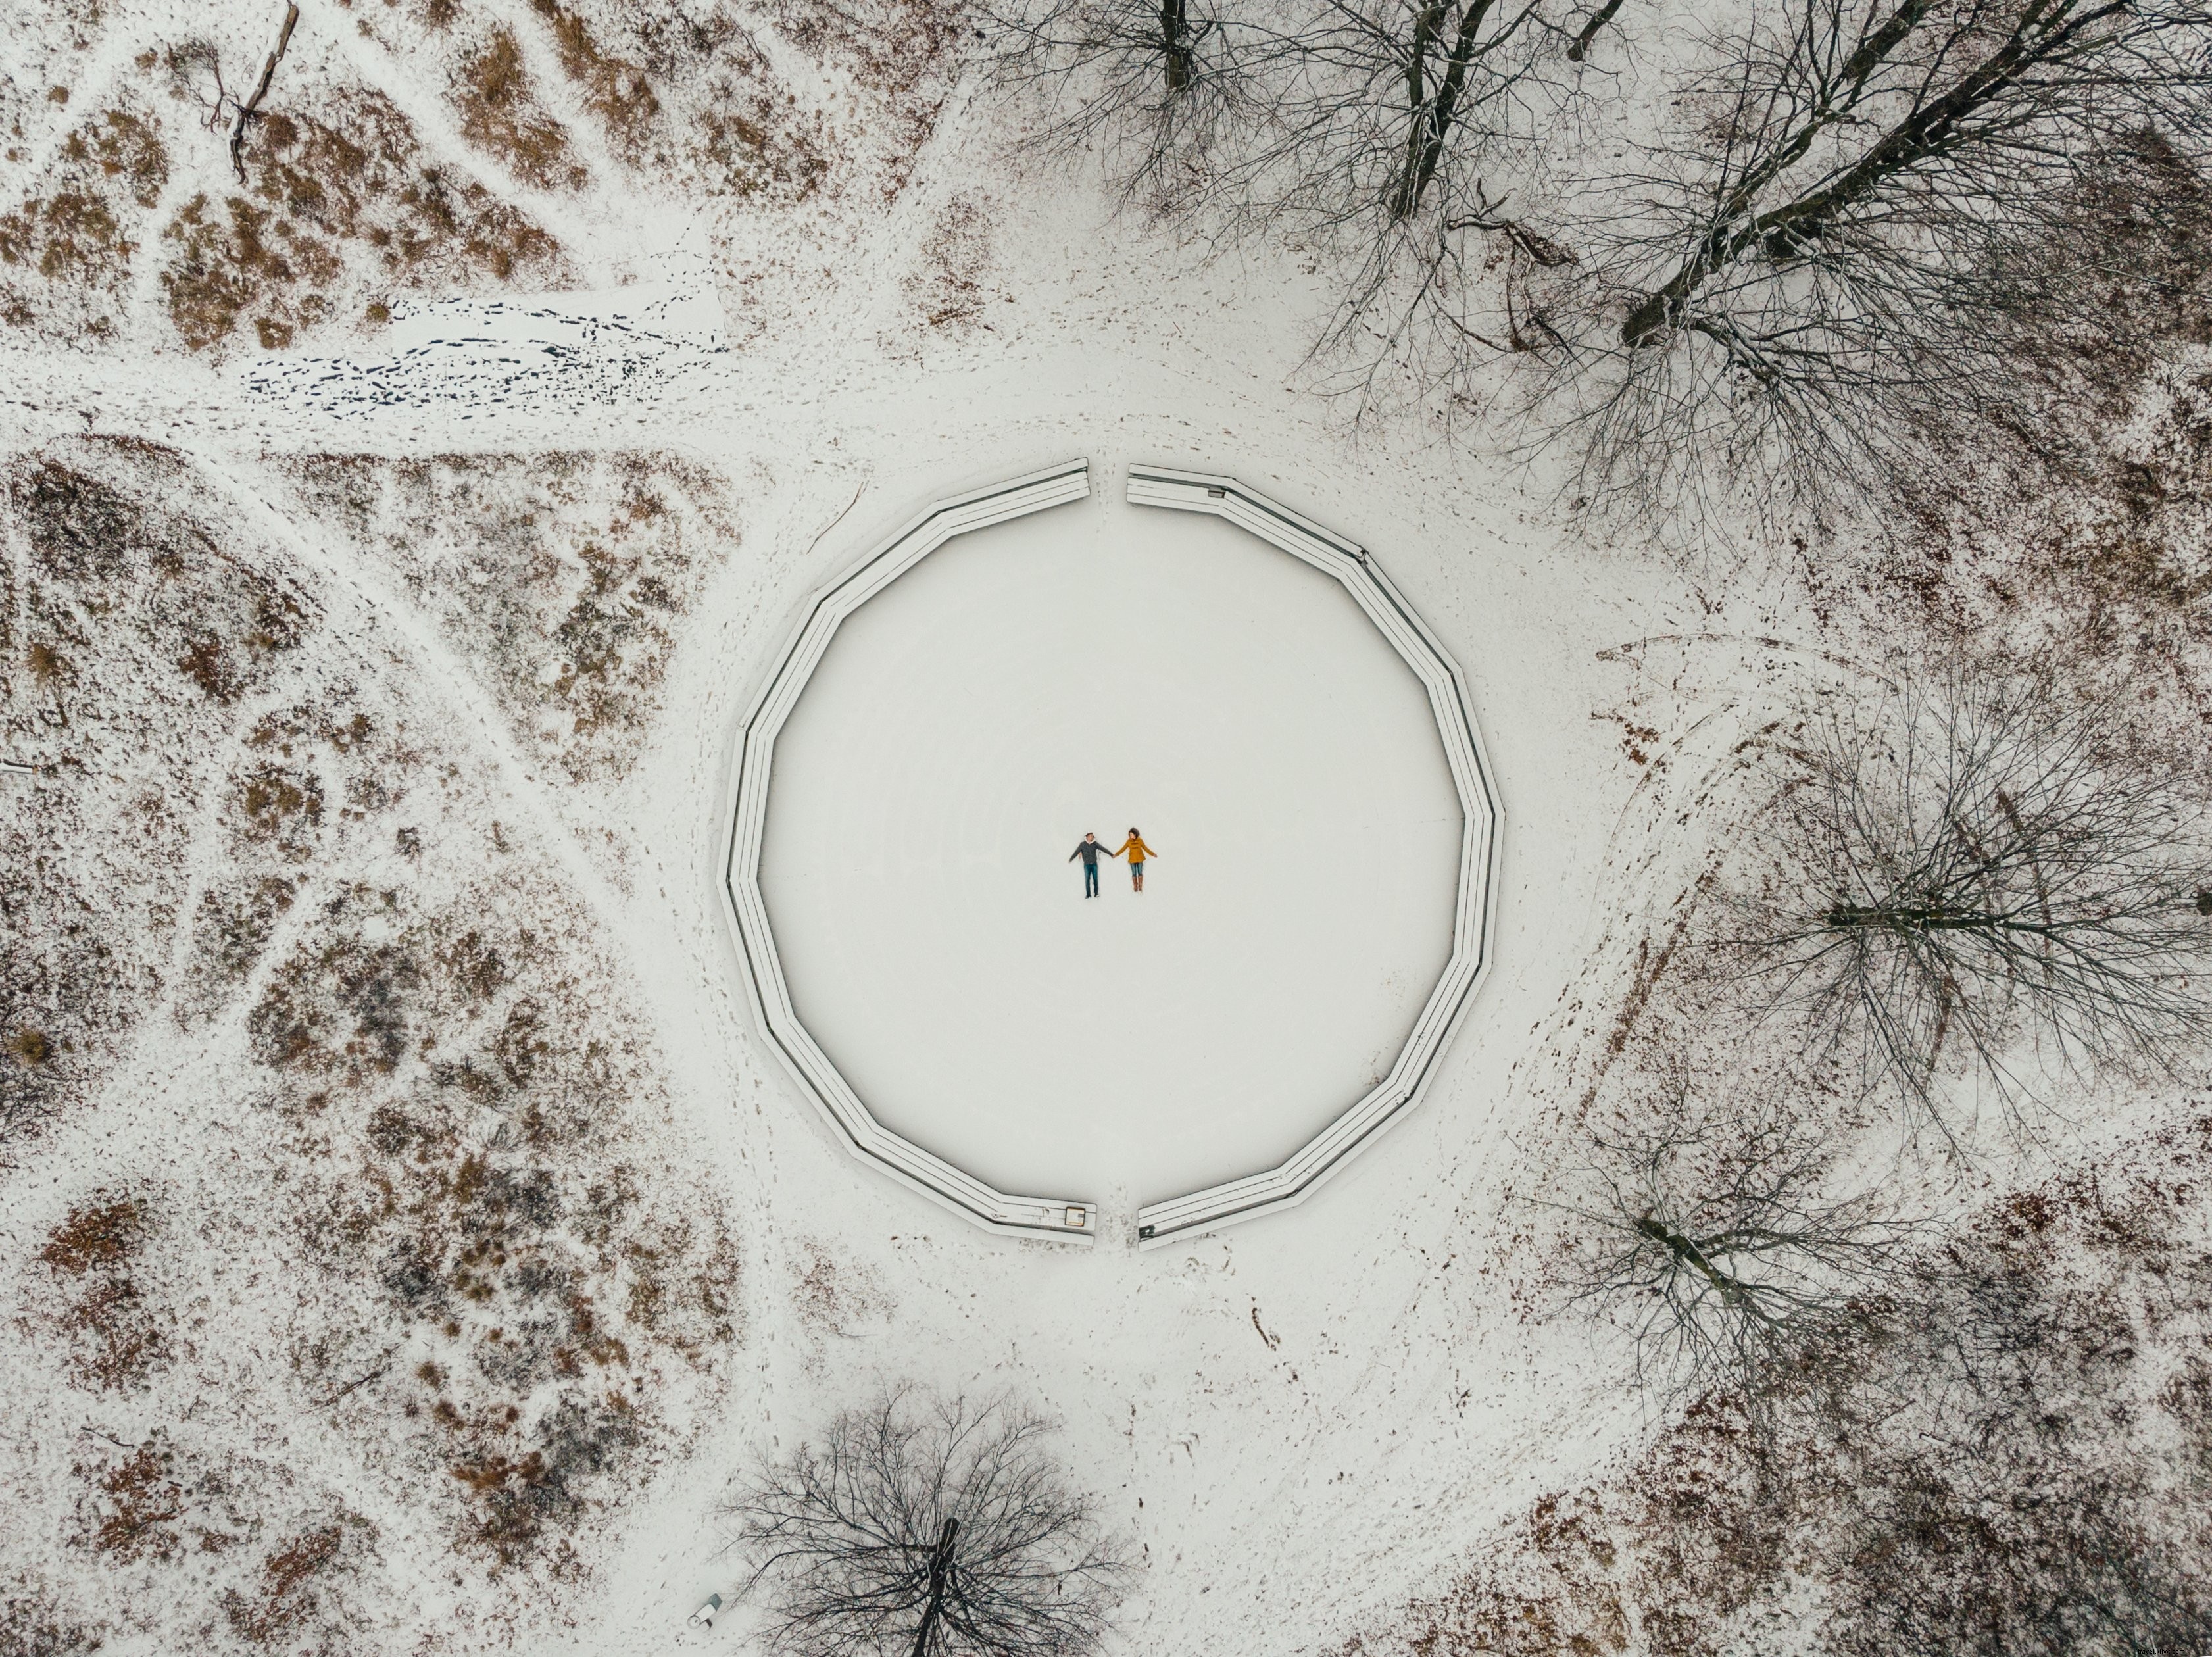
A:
(1068, 1220)
(1472, 920)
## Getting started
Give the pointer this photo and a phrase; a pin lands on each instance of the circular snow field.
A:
(1088, 668)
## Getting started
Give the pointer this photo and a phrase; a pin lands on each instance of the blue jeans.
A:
(1091, 880)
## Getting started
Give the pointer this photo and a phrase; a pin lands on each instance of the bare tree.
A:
(1991, 861)
(1867, 215)
(1721, 1241)
(1385, 148)
(1160, 84)
(1852, 232)
(926, 1525)
(1366, 130)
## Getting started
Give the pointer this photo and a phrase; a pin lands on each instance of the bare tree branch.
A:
(250, 110)
(1863, 235)
(1589, 32)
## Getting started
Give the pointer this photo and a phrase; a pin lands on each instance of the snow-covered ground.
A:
(1305, 1387)
(1300, 1424)
(560, 357)
(1100, 668)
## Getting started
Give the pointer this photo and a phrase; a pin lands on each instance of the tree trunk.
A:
(1432, 118)
(1928, 918)
(1175, 43)
(940, 1569)
(1604, 15)
(250, 110)
(1691, 1255)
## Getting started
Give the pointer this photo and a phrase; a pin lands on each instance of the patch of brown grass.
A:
(284, 1596)
(527, 1257)
(144, 1505)
(235, 921)
(947, 288)
(591, 558)
(500, 115)
(281, 807)
(834, 1296)
(615, 89)
(76, 231)
(96, 1236)
(32, 1625)
(82, 529)
(330, 193)
(761, 149)
(114, 1336)
(142, 632)
(898, 49)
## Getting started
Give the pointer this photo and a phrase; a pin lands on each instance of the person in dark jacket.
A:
(1089, 851)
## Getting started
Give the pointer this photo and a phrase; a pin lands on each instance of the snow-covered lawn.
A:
(1100, 667)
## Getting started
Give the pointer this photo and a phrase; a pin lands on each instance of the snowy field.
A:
(376, 813)
(1096, 668)
(1307, 1388)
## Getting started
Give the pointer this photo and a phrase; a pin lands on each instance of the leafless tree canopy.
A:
(1722, 1241)
(924, 1525)
(1361, 128)
(1989, 861)
(1842, 233)
(1869, 210)
(1158, 83)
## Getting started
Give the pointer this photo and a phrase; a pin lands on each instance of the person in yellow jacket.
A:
(1136, 851)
